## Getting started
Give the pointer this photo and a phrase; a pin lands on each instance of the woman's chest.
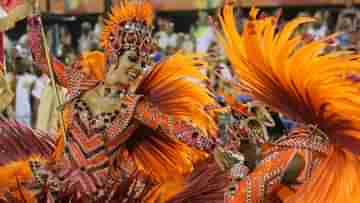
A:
(98, 125)
(94, 141)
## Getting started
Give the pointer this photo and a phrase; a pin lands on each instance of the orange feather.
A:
(296, 78)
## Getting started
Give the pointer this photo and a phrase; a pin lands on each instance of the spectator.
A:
(162, 35)
(36, 93)
(87, 38)
(319, 29)
(188, 44)
(203, 33)
(68, 53)
(98, 28)
(24, 86)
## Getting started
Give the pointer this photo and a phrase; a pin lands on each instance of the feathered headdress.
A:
(296, 78)
(129, 27)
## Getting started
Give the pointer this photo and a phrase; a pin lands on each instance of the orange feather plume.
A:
(17, 172)
(141, 11)
(296, 78)
(175, 86)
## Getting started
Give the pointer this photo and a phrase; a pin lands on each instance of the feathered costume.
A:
(141, 153)
(317, 162)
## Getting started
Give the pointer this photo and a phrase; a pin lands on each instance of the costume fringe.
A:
(18, 142)
(208, 183)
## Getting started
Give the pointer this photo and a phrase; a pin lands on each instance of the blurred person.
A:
(22, 49)
(187, 43)
(203, 33)
(48, 115)
(347, 20)
(162, 36)
(37, 90)
(303, 29)
(319, 29)
(87, 38)
(344, 26)
(25, 81)
(68, 53)
(219, 72)
(98, 28)
(173, 36)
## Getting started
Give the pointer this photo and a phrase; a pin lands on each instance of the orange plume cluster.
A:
(297, 78)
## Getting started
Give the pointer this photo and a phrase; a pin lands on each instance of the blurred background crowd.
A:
(189, 31)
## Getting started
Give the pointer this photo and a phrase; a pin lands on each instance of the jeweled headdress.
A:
(129, 27)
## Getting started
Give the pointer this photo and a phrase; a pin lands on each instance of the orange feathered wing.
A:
(298, 79)
(175, 87)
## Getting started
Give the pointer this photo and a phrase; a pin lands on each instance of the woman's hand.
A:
(126, 71)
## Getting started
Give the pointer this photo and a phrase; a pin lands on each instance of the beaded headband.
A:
(129, 27)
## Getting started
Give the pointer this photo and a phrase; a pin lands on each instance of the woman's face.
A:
(126, 71)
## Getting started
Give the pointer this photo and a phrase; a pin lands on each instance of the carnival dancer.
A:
(134, 129)
(317, 161)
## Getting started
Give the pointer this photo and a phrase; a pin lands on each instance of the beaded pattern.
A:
(134, 36)
(38, 51)
(273, 177)
(129, 104)
(87, 164)
(257, 188)
(182, 130)
(270, 157)
(34, 24)
(303, 138)
(248, 190)
(271, 169)
(237, 173)
(78, 81)
(98, 122)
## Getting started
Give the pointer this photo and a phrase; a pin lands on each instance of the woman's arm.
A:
(265, 180)
(152, 117)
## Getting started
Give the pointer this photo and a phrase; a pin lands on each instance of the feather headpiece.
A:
(129, 27)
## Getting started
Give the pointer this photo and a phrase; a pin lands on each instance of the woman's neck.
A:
(113, 90)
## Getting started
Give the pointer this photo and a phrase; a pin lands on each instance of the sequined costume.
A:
(140, 152)
(317, 161)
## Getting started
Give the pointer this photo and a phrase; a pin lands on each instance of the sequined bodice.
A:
(94, 140)
(93, 123)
